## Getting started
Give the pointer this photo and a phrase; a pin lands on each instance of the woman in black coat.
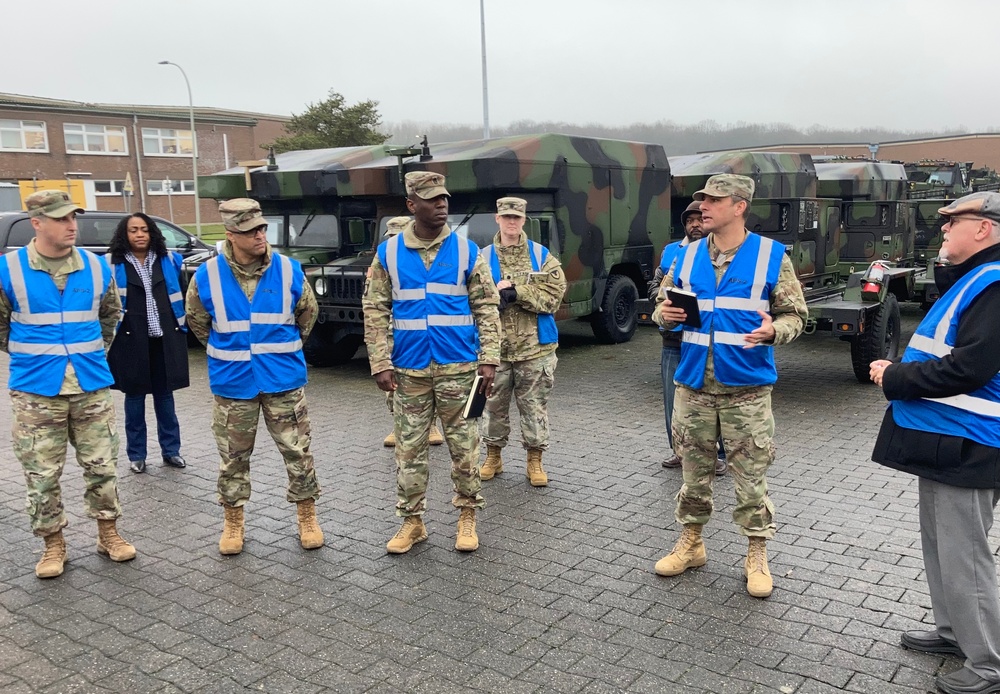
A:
(149, 353)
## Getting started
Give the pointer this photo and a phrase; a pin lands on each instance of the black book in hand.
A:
(681, 298)
(477, 401)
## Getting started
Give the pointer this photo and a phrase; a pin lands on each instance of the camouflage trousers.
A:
(745, 422)
(530, 382)
(416, 401)
(42, 428)
(234, 423)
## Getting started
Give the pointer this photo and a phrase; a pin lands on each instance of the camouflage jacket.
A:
(377, 305)
(109, 312)
(200, 322)
(536, 293)
(788, 308)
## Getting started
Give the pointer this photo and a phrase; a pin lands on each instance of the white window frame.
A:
(87, 136)
(34, 126)
(155, 187)
(159, 136)
(116, 188)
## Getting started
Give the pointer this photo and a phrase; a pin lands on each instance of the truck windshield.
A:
(480, 228)
(303, 231)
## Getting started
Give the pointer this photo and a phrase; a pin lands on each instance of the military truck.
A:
(927, 241)
(835, 219)
(602, 206)
(938, 179)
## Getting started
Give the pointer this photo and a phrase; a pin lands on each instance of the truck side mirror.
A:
(356, 230)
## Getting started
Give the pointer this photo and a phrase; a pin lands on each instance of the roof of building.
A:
(207, 114)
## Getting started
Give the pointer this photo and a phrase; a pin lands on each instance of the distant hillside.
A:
(676, 139)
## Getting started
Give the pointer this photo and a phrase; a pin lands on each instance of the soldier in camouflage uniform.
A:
(254, 309)
(531, 285)
(435, 291)
(59, 375)
(393, 227)
(749, 300)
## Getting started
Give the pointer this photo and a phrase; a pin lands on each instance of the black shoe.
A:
(965, 681)
(929, 642)
(138, 466)
(721, 467)
(174, 461)
(673, 462)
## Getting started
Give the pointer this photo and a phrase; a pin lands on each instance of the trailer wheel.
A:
(880, 341)
(321, 349)
(616, 320)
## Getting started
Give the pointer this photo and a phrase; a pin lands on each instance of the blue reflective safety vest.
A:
(547, 331)
(171, 276)
(975, 415)
(253, 347)
(49, 328)
(667, 258)
(431, 316)
(728, 312)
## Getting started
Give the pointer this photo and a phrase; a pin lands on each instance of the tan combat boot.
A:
(310, 534)
(390, 440)
(231, 541)
(410, 533)
(759, 583)
(493, 465)
(467, 540)
(688, 553)
(53, 558)
(536, 473)
(436, 439)
(109, 542)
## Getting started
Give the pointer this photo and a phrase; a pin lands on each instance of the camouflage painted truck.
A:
(602, 206)
(963, 179)
(835, 221)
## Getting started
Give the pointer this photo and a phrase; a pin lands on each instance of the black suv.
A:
(94, 232)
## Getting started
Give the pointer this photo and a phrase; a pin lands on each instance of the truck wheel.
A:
(322, 350)
(616, 320)
(880, 341)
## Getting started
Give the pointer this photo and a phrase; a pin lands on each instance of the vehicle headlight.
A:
(320, 286)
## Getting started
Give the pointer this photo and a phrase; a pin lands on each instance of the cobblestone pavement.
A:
(560, 597)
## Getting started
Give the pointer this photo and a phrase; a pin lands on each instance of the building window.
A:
(23, 136)
(108, 187)
(175, 187)
(95, 139)
(166, 142)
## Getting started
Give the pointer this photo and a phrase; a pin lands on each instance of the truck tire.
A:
(880, 341)
(322, 350)
(616, 320)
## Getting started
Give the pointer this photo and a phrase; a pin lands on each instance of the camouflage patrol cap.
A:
(693, 208)
(395, 226)
(51, 203)
(727, 185)
(984, 204)
(241, 214)
(512, 206)
(425, 184)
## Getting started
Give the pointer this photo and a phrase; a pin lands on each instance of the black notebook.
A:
(689, 302)
(476, 402)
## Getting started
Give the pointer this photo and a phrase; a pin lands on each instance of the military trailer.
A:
(602, 206)
(834, 226)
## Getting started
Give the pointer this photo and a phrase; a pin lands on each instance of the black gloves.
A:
(507, 297)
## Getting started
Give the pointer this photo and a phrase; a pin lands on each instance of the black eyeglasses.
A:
(262, 229)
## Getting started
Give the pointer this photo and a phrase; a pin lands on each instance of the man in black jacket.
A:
(943, 425)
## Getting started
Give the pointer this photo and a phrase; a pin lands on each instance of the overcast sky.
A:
(836, 63)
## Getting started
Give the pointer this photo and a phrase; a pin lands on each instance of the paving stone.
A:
(561, 597)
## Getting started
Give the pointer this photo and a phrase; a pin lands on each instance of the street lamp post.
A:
(194, 149)
(486, 98)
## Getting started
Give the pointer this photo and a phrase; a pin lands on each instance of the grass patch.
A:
(210, 233)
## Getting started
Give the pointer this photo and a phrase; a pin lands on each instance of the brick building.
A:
(49, 139)
(981, 148)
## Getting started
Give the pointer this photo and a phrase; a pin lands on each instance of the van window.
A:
(21, 232)
(174, 237)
